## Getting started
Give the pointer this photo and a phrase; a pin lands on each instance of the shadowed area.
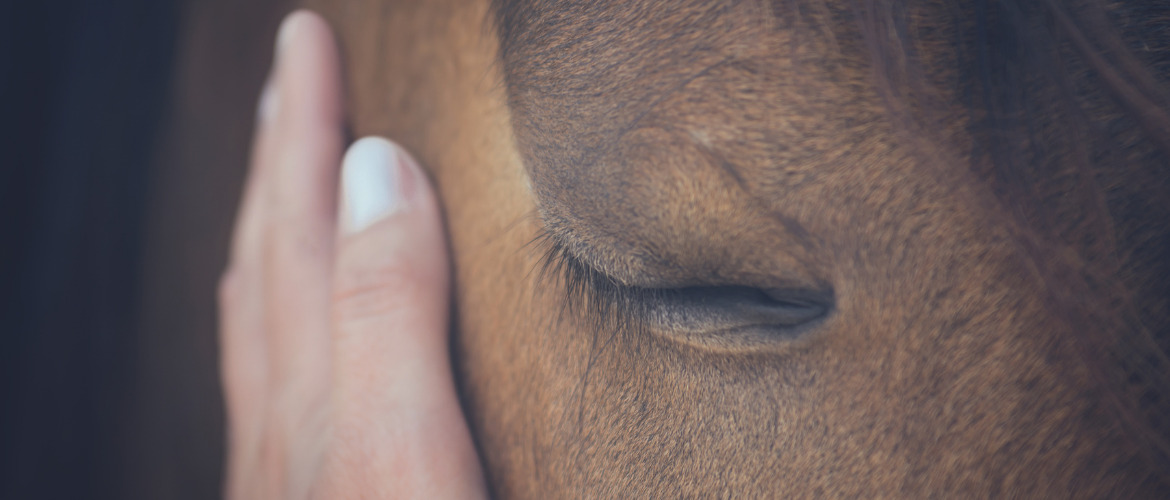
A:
(126, 128)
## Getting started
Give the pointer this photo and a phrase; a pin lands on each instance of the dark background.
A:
(124, 126)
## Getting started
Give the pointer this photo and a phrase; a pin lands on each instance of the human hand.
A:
(334, 322)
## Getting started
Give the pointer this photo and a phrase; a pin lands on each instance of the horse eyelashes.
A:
(588, 294)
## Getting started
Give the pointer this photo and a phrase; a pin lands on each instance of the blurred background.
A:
(125, 126)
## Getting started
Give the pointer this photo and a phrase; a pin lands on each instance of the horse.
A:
(793, 248)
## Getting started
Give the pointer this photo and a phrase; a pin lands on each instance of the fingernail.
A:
(285, 34)
(269, 103)
(372, 183)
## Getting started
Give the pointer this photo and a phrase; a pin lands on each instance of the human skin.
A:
(332, 315)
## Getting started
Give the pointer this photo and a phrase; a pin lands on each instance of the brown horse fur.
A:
(971, 196)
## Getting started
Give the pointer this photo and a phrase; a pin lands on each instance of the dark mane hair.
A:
(1068, 106)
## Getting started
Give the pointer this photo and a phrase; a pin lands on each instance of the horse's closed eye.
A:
(719, 316)
(735, 316)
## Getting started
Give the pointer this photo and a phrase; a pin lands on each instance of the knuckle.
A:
(289, 249)
(296, 238)
(361, 295)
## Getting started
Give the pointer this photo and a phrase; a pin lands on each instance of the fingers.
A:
(334, 334)
(395, 413)
(243, 353)
(274, 299)
(279, 272)
(301, 199)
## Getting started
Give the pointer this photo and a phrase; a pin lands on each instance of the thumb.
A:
(397, 428)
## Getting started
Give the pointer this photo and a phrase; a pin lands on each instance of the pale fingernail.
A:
(287, 27)
(372, 183)
(269, 103)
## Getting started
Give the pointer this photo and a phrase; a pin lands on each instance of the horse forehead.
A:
(736, 80)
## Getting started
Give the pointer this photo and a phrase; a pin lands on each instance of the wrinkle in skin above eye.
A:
(681, 220)
(768, 299)
(662, 197)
